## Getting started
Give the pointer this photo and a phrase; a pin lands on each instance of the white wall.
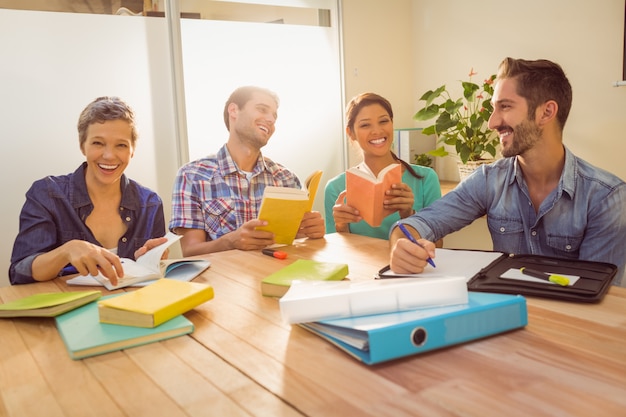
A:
(585, 37)
(421, 44)
(378, 56)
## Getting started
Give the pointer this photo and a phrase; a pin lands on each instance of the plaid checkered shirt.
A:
(214, 195)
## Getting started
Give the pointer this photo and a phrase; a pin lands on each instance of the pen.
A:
(412, 239)
(557, 279)
(274, 253)
(68, 270)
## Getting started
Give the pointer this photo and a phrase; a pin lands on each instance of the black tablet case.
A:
(595, 278)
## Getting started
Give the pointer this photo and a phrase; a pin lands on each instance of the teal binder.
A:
(383, 337)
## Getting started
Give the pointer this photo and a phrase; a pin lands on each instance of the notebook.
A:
(85, 336)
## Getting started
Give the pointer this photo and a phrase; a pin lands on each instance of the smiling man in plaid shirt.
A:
(216, 199)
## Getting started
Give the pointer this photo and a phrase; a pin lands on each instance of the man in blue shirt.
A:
(540, 198)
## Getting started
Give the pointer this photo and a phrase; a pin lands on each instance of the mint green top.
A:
(426, 190)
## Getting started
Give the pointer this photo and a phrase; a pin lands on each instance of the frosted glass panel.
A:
(299, 63)
(260, 11)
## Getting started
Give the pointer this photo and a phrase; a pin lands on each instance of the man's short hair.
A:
(539, 81)
(242, 95)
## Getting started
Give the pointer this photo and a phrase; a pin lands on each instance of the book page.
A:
(150, 260)
(312, 184)
(284, 193)
(363, 171)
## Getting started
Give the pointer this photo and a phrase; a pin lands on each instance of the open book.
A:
(366, 192)
(284, 207)
(149, 267)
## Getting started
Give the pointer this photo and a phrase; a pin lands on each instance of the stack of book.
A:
(146, 315)
(92, 325)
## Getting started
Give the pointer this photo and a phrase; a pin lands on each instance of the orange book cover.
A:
(366, 193)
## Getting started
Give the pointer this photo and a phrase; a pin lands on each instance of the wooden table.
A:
(243, 360)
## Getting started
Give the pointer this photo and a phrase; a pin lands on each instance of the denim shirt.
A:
(582, 218)
(55, 212)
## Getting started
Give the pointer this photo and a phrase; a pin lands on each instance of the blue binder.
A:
(379, 338)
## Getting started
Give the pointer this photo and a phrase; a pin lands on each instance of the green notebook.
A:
(277, 284)
(85, 336)
(47, 304)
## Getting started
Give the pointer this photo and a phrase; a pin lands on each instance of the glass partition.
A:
(301, 63)
(119, 7)
(286, 12)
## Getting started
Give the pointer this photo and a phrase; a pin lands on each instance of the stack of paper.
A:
(320, 300)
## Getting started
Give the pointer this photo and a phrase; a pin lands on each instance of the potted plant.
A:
(423, 159)
(462, 122)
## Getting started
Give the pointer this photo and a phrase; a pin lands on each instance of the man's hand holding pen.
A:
(410, 256)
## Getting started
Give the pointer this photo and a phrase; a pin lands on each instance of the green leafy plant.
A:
(423, 160)
(461, 123)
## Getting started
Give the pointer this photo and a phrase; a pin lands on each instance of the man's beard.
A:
(525, 136)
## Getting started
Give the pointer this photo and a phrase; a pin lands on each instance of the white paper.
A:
(450, 262)
(516, 274)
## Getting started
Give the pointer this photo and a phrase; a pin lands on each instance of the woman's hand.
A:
(90, 259)
(151, 244)
(400, 198)
(344, 214)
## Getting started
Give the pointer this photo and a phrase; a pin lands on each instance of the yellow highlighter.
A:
(557, 279)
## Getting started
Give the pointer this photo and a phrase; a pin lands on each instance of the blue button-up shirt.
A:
(584, 217)
(55, 212)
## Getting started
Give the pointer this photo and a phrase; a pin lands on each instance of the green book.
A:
(277, 284)
(85, 336)
(47, 304)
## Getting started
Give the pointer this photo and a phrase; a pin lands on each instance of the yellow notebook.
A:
(155, 303)
(284, 207)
